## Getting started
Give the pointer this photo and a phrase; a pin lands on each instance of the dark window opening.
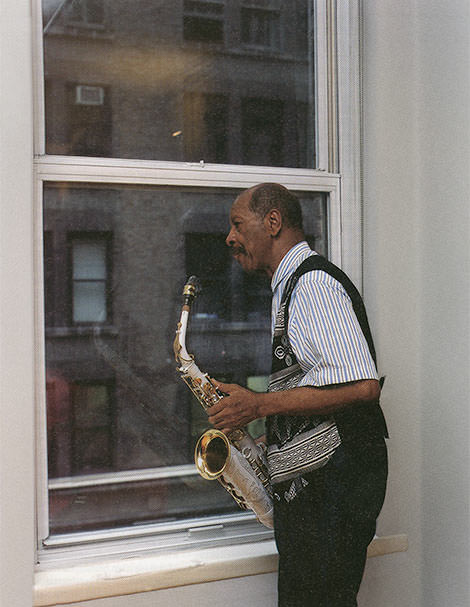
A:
(90, 127)
(201, 29)
(86, 12)
(207, 257)
(260, 28)
(203, 21)
(92, 434)
(205, 131)
(262, 131)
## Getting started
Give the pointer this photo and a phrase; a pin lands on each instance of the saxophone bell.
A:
(211, 454)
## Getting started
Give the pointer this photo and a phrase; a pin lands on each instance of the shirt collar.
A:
(290, 262)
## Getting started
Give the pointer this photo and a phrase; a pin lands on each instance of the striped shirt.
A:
(323, 329)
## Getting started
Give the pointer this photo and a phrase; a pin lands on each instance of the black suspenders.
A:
(364, 421)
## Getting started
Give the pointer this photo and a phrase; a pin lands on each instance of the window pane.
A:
(89, 301)
(180, 81)
(89, 260)
(115, 402)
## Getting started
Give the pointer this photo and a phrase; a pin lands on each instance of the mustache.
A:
(240, 250)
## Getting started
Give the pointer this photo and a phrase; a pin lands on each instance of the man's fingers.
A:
(218, 407)
(220, 425)
(219, 419)
(226, 388)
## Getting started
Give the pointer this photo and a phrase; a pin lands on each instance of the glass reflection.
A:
(115, 261)
(219, 81)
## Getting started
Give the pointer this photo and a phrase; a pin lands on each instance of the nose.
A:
(230, 240)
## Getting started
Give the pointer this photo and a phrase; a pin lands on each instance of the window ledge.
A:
(143, 574)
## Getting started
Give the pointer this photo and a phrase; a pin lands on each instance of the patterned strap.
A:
(362, 421)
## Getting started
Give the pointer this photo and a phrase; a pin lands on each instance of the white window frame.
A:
(337, 175)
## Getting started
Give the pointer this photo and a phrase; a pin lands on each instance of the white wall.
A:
(444, 172)
(416, 178)
(16, 310)
(391, 218)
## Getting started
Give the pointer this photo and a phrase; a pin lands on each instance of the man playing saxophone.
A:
(327, 458)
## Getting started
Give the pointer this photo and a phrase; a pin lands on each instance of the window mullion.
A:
(38, 78)
(40, 409)
(349, 135)
(318, 15)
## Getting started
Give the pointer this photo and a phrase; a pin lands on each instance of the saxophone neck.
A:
(179, 344)
(191, 290)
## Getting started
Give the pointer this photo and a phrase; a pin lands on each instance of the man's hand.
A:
(235, 410)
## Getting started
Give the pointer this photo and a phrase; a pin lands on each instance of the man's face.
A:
(249, 237)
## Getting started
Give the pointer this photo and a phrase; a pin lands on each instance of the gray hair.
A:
(267, 196)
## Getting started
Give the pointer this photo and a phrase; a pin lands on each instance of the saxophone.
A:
(235, 460)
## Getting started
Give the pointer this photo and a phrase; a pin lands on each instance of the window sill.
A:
(143, 574)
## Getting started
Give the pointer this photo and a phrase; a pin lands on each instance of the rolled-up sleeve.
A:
(325, 333)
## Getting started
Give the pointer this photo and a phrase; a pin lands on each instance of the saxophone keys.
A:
(236, 435)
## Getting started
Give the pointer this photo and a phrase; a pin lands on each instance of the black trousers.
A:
(323, 532)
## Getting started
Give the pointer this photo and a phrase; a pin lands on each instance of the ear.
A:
(273, 222)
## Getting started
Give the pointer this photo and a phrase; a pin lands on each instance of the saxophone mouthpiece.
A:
(192, 288)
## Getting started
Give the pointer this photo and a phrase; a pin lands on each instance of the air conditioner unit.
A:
(89, 95)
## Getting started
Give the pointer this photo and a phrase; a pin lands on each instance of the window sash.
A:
(136, 172)
(343, 226)
(112, 171)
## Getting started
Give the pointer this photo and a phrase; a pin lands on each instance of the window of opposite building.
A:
(85, 13)
(203, 21)
(156, 116)
(260, 27)
(90, 277)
